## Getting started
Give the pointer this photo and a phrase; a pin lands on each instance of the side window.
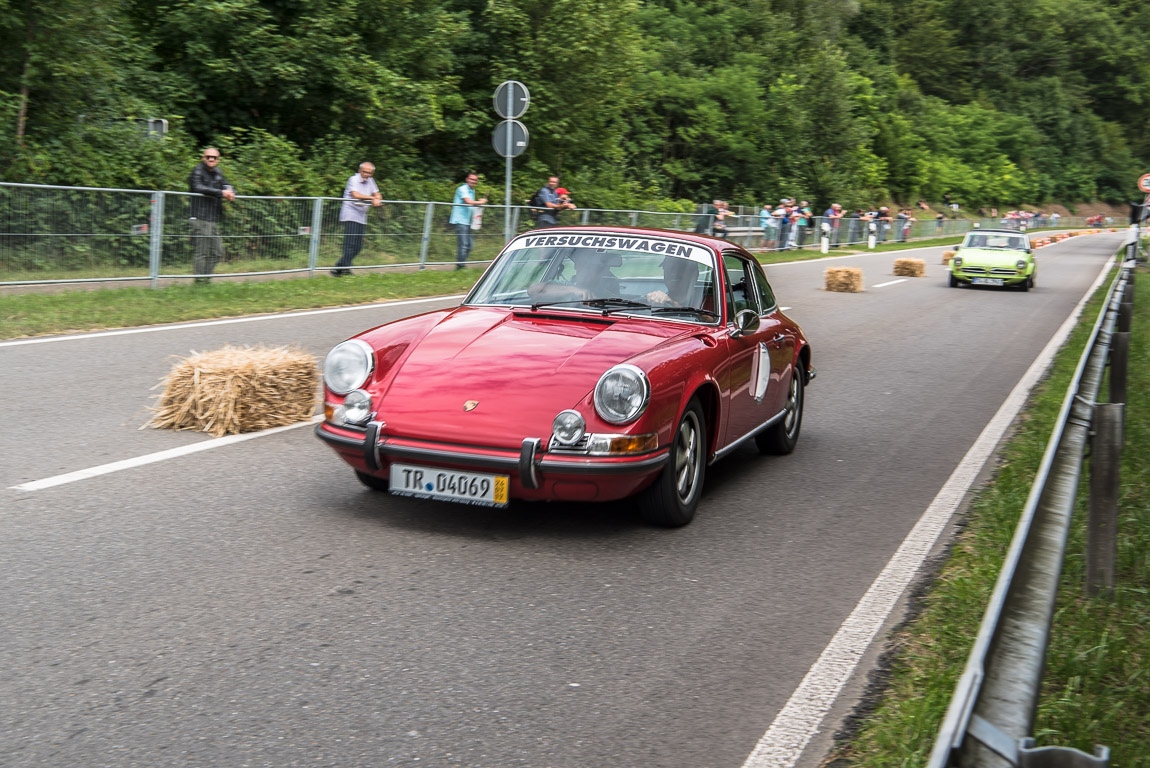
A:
(741, 294)
(766, 295)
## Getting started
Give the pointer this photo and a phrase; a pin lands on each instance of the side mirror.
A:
(958, 247)
(746, 321)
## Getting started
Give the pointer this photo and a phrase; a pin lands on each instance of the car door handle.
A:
(778, 340)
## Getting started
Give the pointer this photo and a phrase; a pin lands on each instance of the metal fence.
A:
(990, 720)
(52, 234)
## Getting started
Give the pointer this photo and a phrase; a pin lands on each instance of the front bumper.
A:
(533, 473)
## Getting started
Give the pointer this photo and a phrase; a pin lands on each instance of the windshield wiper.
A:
(616, 304)
(537, 306)
(689, 310)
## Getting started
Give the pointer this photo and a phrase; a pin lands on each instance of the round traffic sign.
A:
(511, 99)
(1144, 183)
(510, 138)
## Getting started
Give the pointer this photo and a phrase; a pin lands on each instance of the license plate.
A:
(449, 485)
(987, 281)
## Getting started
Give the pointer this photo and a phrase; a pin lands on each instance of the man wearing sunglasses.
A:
(360, 190)
(207, 210)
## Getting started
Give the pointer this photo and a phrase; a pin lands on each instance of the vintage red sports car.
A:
(587, 364)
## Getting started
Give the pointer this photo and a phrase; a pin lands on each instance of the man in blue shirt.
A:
(353, 213)
(553, 204)
(462, 215)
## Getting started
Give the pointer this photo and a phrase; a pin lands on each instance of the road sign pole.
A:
(507, 170)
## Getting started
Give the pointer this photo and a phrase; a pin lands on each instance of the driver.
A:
(680, 276)
(593, 279)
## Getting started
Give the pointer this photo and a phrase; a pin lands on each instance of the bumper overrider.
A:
(534, 473)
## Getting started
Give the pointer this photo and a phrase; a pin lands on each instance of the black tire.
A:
(780, 438)
(1024, 286)
(373, 482)
(952, 281)
(671, 501)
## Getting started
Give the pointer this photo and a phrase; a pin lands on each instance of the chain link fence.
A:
(51, 234)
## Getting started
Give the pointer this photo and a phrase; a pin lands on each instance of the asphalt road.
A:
(253, 605)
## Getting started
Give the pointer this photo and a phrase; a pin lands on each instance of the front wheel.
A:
(672, 499)
(373, 482)
(952, 281)
(780, 438)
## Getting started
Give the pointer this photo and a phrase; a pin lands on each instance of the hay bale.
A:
(844, 279)
(238, 389)
(947, 256)
(910, 267)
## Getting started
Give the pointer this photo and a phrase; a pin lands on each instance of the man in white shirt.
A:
(353, 213)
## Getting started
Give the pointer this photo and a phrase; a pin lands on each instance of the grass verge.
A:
(1097, 682)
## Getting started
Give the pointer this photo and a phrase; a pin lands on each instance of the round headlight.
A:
(356, 408)
(622, 394)
(348, 366)
(1021, 264)
(568, 427)
(958, 261)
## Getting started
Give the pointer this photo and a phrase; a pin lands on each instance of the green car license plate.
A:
(987, 281)
(448, 485)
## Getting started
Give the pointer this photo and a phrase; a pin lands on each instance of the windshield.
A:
(993, 240)
(609, 273)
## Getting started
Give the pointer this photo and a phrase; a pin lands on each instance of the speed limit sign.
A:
(1144, 183)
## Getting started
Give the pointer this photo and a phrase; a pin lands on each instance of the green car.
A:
(994, 257)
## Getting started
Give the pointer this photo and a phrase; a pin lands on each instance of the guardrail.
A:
(53, 234)
(989, 723)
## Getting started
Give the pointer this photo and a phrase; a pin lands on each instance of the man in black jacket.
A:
(207, 212)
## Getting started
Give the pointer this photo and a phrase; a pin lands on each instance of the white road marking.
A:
(801, 717)
(151, 458)
(892, 282)
(253, 319)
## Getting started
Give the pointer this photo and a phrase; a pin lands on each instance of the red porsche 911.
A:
(587, 364)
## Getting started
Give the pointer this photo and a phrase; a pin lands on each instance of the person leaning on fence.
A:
(463, 209)
(550, 203)
(353, 214)
(207, 211)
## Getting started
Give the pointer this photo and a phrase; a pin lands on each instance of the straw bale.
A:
(947, 256)
(844, 279)
(910, 267)
(238, 389)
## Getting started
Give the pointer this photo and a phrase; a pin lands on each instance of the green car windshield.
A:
(994, 240)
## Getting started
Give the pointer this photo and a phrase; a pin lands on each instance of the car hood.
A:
(991, 257)
(519, 368)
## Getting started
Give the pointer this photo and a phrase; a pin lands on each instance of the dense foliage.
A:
(633, 101)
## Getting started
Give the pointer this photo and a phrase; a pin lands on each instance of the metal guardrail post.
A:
(1119, 362)
(586, 216)
(313, 242)
(1102, 530)
(156, 242)
(423, 245)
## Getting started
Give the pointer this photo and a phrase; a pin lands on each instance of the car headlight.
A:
(622, 394)
(957, 261)
(348, 366)
(1021, 265)
(568, 427)
(356, 408)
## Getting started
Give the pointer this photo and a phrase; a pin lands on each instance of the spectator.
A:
(719, 227)
(783, 214)
(565, 196)
(1054, 219)
(806, 221)
(207, 211)
(884, 222)
(353, 214)
(463, 210)
(938, 220)
(552, 204)
(833, 216)
(770, 226)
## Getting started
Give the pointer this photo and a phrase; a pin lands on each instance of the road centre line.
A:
(891, 282)
(801, 717)
(151, 458)
(206, 323)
